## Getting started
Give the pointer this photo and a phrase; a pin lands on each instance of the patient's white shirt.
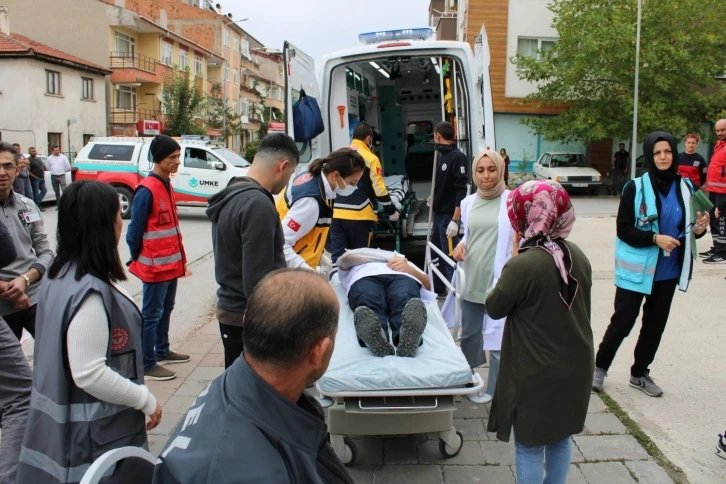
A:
(356, 273)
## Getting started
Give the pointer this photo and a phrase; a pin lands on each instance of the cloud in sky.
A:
(320, 26)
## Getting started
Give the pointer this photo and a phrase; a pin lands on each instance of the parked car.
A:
(571, 170)
(50, 195)
(124, 162)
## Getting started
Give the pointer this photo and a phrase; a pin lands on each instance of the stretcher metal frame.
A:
(398, 229)
(400, 412)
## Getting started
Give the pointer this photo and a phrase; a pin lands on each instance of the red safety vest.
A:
(162, 255)
(716, 177)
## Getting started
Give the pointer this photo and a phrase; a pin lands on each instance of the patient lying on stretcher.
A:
(385, 292)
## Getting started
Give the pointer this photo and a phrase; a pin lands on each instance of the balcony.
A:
(128, 68)
(132, 116)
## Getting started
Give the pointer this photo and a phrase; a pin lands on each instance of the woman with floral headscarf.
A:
(547, 350)
(483, 251)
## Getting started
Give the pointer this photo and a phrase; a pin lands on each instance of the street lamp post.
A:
(634, 138)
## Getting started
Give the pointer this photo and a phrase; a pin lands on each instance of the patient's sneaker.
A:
(413, 326)
(368, 328)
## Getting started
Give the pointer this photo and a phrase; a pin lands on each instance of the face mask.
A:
(345, 191)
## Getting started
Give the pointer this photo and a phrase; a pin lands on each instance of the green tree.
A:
(182, 102)
(220, 116)
(591, 68)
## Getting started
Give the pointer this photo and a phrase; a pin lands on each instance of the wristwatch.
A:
(27, 279)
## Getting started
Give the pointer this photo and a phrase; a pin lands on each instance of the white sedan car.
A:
(50, 195)
(571, 170)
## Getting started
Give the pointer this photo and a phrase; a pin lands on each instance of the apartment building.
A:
(265, 94)
(250, 92)
(201, 22)
(49, 97)
(143, 55)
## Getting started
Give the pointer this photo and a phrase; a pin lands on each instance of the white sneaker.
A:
(480, 398)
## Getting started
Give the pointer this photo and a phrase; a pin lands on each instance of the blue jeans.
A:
(157, 304)
(39, 190)
(386, 296)
(439, 239)
(532, 462)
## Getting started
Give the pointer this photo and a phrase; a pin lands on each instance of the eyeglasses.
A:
(8, 167)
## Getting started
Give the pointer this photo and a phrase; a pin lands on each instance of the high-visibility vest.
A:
(635, 266)
(162, 255)
(311, 246)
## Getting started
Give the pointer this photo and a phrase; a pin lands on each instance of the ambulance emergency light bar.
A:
(393, 35)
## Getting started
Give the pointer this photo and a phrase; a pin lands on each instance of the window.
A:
(52, 83)
(246, 48)
(366, 86)
(125, 45)
(116, 152)
(87, 138)
(528, 47)
(198, 65)
(125, 97)
(226, 38)
(226, 72)
(166, 49)
(358, 79)
(87, 93)
(235, 43)
(235, 76)
(199, 158)
(234, 108)
(183, 60)
(244, 110)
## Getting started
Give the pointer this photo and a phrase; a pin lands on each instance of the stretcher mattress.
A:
(397, 186)
(438, 363)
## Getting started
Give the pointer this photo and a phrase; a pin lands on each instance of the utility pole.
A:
(634, 140)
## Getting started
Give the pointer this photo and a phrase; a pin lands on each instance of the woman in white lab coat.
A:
(483, 251)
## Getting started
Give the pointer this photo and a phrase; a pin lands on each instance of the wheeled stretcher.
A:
(367, 395)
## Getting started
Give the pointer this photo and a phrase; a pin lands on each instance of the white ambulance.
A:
(403, 84)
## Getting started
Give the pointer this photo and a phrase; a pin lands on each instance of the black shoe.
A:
(715, 259)
(705, 255)
(368, 328)
(721, 446)
(414, 323)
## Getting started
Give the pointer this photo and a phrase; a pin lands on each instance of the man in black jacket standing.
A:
(247, 237)
(255, 423)
(449, 191)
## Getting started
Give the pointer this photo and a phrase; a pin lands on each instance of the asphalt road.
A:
(196, 295)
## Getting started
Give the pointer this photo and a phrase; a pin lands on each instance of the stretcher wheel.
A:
(448, 451)
(351, 452)
(404, 228)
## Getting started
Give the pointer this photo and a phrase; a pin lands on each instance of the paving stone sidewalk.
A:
(603, 453)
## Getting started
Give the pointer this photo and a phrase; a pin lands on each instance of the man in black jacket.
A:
(246, 234)
(255, 423)
(449, 191)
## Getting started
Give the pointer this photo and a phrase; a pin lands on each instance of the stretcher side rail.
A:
(460, 278)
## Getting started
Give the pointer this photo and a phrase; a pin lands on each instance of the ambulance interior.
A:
(403, 98)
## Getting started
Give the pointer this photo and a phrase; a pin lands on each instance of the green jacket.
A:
(547, 359)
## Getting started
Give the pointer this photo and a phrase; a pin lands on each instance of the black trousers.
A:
(656, 309)
(718, 225)
(232, 342)
(22, 319)
(349, 234)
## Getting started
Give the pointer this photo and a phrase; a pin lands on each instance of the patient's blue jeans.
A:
(386, 296)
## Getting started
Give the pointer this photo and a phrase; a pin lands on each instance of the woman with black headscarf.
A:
(654, 252)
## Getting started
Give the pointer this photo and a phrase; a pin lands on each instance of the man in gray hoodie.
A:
(247, 237)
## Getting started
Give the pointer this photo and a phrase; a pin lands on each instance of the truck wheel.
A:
(124, 197)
